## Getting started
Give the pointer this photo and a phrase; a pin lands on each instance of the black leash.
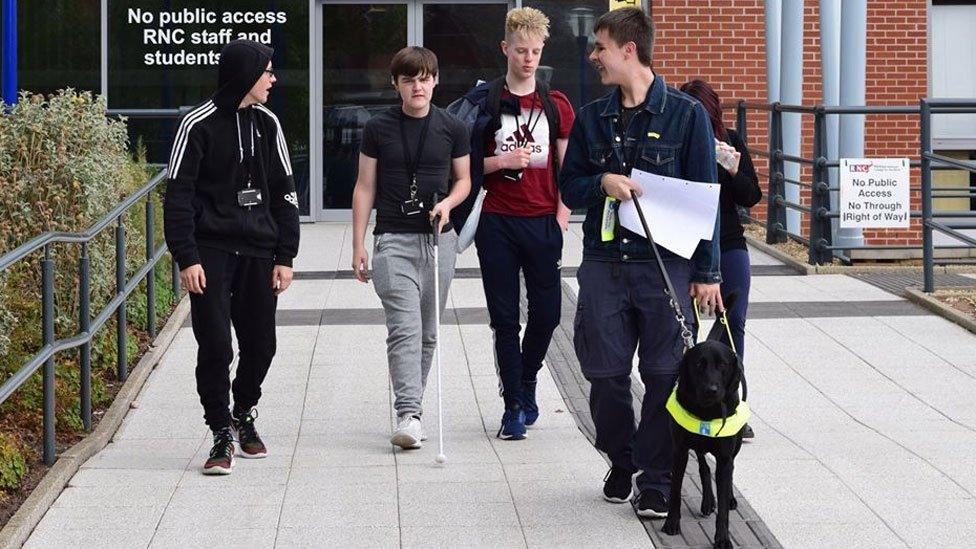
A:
(686, 335)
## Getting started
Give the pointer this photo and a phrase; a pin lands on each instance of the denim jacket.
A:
(672, 136)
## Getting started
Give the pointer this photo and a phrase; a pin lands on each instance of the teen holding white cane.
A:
(411, 154)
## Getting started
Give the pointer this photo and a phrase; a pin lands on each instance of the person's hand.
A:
(619, 186)
(563, 219)
(281, 279)
(709, 297)
(442, 209)
(360, 263)
(194, 279)
(727, 157)
(517, 159)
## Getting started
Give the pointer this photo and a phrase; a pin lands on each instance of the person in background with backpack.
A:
(520, 130)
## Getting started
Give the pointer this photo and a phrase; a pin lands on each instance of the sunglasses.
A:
(270, 72)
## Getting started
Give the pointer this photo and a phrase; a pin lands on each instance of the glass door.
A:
(358, 41)
(466, 38)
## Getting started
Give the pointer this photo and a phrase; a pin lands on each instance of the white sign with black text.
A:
(874, 193)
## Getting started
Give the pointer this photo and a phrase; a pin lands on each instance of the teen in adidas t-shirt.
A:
(523, 219)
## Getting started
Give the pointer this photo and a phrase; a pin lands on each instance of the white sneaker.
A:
(408, 434)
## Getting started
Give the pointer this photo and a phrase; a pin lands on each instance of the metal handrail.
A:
(53, 237)
(818, 212)
(88, 326)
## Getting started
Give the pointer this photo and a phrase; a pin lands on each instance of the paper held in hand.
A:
(679, 213)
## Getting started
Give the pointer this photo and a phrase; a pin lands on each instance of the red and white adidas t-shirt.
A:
(536, 194)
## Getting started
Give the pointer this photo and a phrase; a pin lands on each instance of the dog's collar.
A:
(708, 428)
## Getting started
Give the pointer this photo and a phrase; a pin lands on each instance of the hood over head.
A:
(242, 62)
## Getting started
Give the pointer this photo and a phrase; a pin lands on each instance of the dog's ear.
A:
(733, 373)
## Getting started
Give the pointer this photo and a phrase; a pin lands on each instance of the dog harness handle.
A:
(686, 336)
(724, 320)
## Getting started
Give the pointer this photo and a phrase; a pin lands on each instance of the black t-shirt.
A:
(626, 115)
(447, 138)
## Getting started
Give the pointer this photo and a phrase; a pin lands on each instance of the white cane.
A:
(441, 458)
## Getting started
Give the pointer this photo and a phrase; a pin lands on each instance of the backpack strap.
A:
(552, 116)
(494, 100)
(549, 106)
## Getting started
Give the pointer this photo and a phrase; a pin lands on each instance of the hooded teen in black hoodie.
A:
(231, 223)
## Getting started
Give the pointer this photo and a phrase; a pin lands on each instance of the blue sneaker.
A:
(529, 405)
(513, 425)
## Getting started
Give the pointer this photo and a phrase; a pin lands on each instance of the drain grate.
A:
(896, 282)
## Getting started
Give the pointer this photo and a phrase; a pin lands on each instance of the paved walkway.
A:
(865, 418)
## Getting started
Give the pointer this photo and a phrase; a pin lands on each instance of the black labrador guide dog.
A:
(707, 417)
(706, 413)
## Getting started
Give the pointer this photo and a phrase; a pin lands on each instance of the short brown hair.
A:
(412, 61)
(629, 25)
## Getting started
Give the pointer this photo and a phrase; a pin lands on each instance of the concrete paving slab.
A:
(465, 536)
(314, 537)
(209, 538)
(121, 538)
(459, 513)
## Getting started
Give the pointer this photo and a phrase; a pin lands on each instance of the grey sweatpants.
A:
(403, 275)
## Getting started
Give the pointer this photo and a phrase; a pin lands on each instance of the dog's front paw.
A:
(707, 506)
(722, 544)
(671, 527)
(733, 504)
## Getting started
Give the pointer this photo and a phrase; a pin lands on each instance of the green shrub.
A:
(12, 464)
(63, 167)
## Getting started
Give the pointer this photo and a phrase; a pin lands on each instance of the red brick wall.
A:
(723, 42)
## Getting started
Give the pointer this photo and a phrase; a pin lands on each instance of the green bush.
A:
(63, 167)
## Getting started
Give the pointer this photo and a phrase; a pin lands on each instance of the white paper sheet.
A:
(679, 213)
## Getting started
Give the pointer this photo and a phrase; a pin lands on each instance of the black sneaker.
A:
(251, 445)
(651, 504)
(221, 460)
(747, 432)
(617, 485)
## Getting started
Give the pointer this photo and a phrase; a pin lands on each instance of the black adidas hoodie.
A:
(218, 149)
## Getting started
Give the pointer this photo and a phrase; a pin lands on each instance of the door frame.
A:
(415, 31)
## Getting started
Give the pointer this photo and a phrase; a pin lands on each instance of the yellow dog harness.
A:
(708, 428)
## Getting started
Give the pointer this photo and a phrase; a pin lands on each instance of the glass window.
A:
(466, 39)
(569, 45)
(162, 55)
(59, 45)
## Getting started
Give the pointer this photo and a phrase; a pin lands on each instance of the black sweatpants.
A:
(533, 245)
(239, 291)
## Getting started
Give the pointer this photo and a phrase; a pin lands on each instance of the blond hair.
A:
(526, 22)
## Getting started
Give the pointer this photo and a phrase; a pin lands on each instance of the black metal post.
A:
(820, 194)
(176, 277)
(151, 277)
(47, 304)
(928, 251)
(775, 210)
(122, 367)
(741, 121)
(84, 323)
